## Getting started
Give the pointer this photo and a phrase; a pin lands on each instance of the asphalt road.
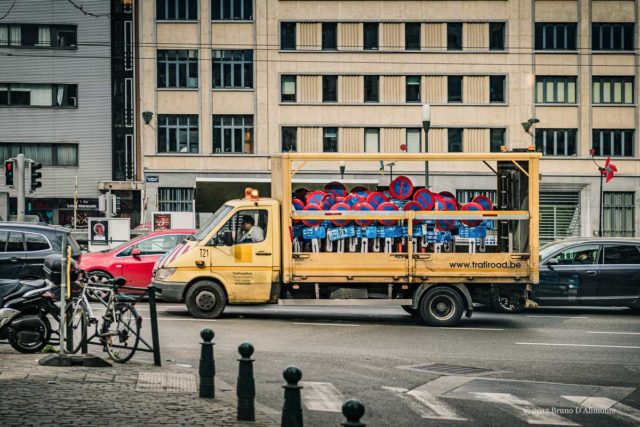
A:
(560, 366)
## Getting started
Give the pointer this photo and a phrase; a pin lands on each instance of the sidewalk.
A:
(132, 394)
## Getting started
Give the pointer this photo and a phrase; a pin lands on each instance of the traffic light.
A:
(34, 168)
(9, 166)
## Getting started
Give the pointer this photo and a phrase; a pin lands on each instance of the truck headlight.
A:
(165, 273)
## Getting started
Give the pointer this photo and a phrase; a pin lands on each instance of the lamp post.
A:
(426, 124)
(342, 168)
(528, 125)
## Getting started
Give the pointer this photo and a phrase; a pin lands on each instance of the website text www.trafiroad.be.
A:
(485, 264)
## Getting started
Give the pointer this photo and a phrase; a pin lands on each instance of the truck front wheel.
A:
(441, 306)
(206, 299)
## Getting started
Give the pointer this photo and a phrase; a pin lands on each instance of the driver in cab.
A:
(251, 232)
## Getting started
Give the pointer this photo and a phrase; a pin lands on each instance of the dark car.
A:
(23, 248)
(590, 271)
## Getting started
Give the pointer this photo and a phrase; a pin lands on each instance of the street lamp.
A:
(426, 124)
(528, 125)
(342, 168)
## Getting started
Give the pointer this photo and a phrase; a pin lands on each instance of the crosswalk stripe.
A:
(607, 406)
(425, 404)
(323, 397)
(525, 410)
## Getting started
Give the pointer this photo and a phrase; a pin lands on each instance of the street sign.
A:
(152, 179)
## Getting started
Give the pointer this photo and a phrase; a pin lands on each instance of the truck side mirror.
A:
(227, 238)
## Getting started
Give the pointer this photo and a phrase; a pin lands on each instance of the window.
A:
(245, 227)
(556, 90)
(414, 143)
(288, 89)
(232, 134)
(154, 246)
(455, 140)
(15, 242)
(47, 154)
(370, 36)
(36, 35)
(454, 36)
(496, 35)
(621, 254)
(413, 89)
(36, 242)
(232, 69)
(329, 88)
(555, 36)
(612, 36)
(613, 142)
(329, 36)
(579, 255)
(497, 88)
(372, 140)
(177, 10)
(289, 139)
(175, 199)
(618, 214)
(371, 88)
(178, 133)
(38, 95)
(613, 90)
(177, 68)
(412, 35)
(232, 10)
(556, 142)
(496, 140)
(288, 35)
(330, 140)
(454, 88)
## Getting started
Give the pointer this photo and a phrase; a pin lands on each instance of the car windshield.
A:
(551, 248)
(211, 223)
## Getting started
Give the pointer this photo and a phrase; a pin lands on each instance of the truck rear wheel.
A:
(441, 306)
(206, 299)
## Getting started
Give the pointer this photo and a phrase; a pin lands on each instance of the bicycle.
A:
(119, 333)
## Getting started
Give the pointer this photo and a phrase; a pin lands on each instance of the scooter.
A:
(24, 307)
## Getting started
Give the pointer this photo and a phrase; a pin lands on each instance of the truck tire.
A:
(206, 299)
(441, 306)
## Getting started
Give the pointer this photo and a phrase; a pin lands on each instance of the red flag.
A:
(608, 170)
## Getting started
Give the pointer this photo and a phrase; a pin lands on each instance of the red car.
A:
(133, 260)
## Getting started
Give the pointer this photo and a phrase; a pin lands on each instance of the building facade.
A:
(55, 102)
(228, 82)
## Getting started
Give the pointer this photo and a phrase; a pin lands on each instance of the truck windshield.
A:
(211, 223)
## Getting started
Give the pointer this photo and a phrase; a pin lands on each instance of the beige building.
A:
(231, 81)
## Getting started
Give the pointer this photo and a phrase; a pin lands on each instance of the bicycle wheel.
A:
(122, 334)
(77, 320)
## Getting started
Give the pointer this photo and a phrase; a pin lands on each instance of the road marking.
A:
(158, 307)
(558, 317)
(613, 333)
(183, 320)
(471, 329)
(525, 410)
(323, 397)
(425, 404)
(607, 406)
(578, 345)
(293, 310)
(323, 324)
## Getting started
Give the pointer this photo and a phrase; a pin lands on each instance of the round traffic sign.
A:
(483, 201)
(376, 198)
(401, 188)
(360, 190)
(353, 199)
(341, 207)
(472, 206)
(327, 201)
(425, 198)
(413, 206)
(363, 206)
(387, 206)
(311, 222)
(315, 197)
(336, 188)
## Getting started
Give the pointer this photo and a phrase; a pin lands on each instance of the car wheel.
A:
(441, 306)
(98, 277)
(206, 299)
(502, 304)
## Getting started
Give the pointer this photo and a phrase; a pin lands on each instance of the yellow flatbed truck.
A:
(269, 250)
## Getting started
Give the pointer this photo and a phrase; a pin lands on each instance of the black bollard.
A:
(153, 314)
(246, 386)
(353, 410)
(207, 365)
(292, 408)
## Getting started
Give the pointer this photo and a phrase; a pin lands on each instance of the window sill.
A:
(612, 52)
(556, 52)
(556, 105)
(21, 47)
(177, 21)
(178, 89)
(614, 105)
(232, 21)
(394, 51)
(391, 104)
(204, 155)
